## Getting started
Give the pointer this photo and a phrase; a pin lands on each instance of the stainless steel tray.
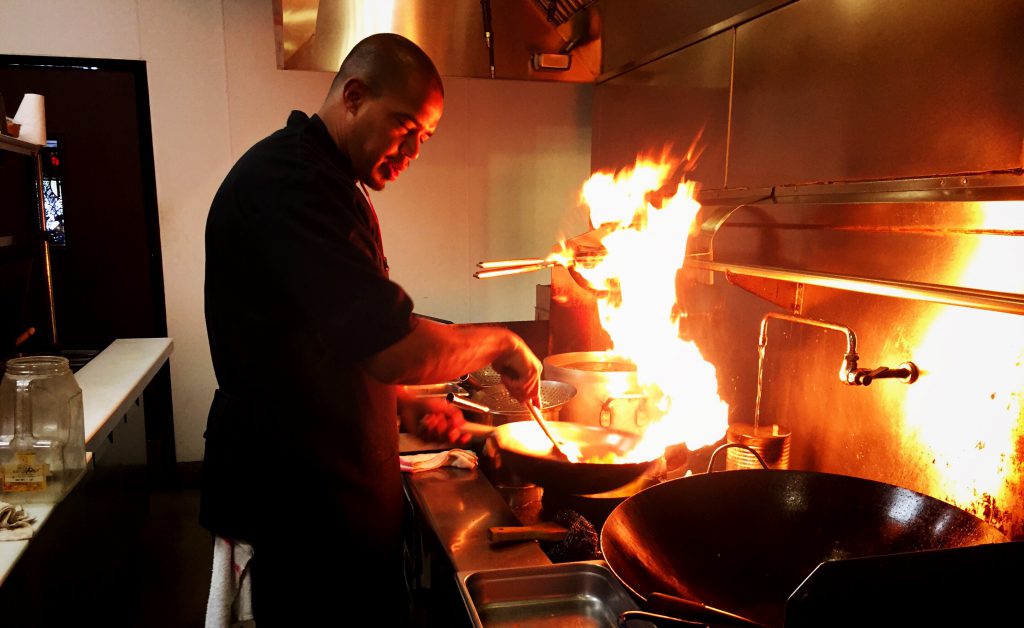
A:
(579, 595)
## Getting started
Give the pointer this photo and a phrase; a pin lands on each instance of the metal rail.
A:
(1007, 302)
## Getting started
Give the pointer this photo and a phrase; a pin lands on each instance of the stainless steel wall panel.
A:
(970, 386)
(667, 103)
(877, 432)
(634, 29)
(845, 90)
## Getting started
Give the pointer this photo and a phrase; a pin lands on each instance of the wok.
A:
(522, 448)
(743, 541)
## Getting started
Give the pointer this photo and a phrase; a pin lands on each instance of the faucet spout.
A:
(849, 373)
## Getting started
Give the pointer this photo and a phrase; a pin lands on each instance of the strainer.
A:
(504, 409)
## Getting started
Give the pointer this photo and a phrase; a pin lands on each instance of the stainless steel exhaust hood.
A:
(544, 40)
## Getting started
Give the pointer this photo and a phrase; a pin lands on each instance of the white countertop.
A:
(109, 382)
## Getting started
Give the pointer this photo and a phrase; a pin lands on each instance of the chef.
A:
(309, 338)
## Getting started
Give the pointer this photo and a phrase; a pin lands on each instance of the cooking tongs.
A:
(518, 266)
(512, 267)
(584, 250)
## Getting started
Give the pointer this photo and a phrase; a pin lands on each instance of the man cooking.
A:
(309, 338)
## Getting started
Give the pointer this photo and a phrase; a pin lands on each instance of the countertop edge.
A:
(115, 378)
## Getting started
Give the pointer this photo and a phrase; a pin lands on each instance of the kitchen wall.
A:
(500, 179)
(858, 139)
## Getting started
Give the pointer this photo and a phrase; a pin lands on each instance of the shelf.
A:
(15, 145)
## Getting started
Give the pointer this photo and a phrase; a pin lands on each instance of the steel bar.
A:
(1010, 303)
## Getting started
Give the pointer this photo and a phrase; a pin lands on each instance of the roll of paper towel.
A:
(32, 118)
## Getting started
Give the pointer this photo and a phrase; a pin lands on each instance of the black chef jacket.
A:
(300, 440)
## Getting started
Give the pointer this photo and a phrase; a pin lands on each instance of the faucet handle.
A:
(906, 373)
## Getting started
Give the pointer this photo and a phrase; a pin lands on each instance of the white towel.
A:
(230, 601)
(460, 458)
(15, 524)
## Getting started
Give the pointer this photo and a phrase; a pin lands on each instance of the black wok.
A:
(521, 447)
(743, 541)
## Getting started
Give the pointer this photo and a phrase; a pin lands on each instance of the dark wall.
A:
(108, 281)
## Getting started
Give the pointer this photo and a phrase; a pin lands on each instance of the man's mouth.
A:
(391, 170)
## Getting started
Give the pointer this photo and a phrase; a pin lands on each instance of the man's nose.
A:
(411, 146)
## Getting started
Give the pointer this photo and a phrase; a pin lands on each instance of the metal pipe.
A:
(48, 267)
(1007, 302)
(848, 372)
(849, 367)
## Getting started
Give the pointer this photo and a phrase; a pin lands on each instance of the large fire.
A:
(635, 280)
(967, 411)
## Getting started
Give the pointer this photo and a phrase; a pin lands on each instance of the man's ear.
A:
(353, 94)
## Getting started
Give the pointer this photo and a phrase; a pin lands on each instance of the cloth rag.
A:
(230, 601)
(459, 458)
(15, 524)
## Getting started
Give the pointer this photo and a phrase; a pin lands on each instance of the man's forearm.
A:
(437, 353)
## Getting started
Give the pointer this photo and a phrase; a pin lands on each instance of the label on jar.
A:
(24, 475)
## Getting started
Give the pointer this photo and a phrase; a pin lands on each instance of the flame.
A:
(968, 415)
(636, 284)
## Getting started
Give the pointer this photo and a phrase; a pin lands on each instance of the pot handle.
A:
(711, 462)
(606, 407)
(465, 404)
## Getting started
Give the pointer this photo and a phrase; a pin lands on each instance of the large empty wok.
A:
(743, 541)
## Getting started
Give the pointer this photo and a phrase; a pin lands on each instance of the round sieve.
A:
(552, 395)
(484, 378)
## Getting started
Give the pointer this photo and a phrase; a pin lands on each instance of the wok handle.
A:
(465, 404)
(656, 619)
(691, 610)
(714, 455)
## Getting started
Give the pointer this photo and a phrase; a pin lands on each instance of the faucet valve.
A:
(906, 373)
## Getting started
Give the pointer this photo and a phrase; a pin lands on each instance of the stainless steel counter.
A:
(459, 506)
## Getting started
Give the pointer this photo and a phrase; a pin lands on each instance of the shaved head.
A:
(385, 102)
(385, 62)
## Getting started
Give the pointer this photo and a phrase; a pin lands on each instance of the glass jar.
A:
(42, 430)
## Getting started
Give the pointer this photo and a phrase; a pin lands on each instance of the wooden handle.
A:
(476, 429)
(538, 532)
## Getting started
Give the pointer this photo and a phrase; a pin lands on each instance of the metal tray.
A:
(579, 594)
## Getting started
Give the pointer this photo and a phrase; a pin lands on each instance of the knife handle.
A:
(538, 532)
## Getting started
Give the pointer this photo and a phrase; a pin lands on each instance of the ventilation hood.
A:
(545, 40)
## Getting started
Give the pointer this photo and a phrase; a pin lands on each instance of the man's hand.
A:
(520, 372)
(431, 418)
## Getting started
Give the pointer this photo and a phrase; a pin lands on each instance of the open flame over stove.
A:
(635, 280)
(967, 418)
(961, 424)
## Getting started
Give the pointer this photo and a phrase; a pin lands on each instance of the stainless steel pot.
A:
(607, 392)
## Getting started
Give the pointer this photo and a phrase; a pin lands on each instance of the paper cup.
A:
(32, 118)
